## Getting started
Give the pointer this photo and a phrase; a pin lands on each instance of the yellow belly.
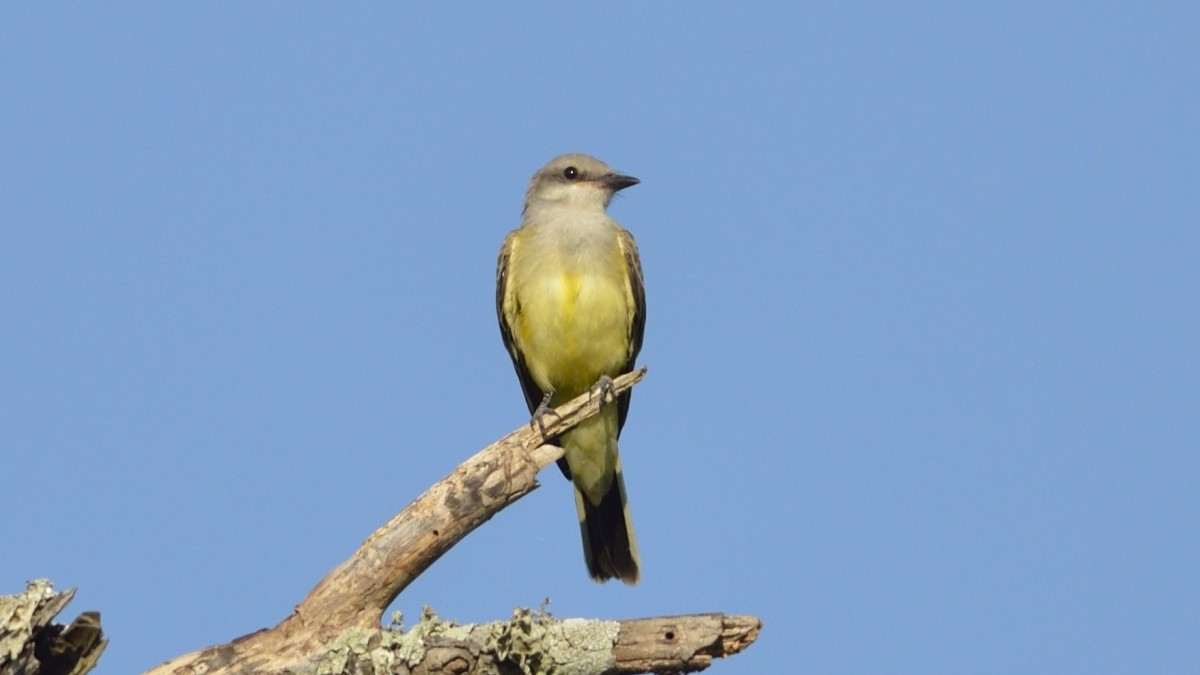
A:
(572, 329)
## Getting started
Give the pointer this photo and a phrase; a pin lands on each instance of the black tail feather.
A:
(609, 545)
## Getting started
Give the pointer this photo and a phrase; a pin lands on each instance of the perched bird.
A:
(572, 312)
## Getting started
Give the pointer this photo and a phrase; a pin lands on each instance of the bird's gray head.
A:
(577, 181)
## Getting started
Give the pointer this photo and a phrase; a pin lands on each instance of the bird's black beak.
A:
(616, 181)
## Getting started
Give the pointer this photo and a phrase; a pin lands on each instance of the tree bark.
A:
(336, 628)
(30, 644)
(526, 644)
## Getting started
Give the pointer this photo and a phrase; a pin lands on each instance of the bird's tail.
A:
(609, 545)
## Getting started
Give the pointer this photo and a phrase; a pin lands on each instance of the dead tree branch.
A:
(31, 644)
(336, 628)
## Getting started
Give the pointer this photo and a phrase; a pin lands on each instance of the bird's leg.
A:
(605, 389)
(540, 413)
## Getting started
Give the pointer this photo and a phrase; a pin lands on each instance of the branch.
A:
(532, 642)
(336, 629)
(357, 592)
(30, 643)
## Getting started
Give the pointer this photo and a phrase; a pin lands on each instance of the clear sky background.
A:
(924, 316)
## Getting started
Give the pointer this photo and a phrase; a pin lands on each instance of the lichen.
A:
(535, 643)
(531, 640)
(354, 641)
(585, 645)
(522, 642)
(409, 647)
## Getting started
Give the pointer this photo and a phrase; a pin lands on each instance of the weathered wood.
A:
(31, 644)
(336, 628)
(681, 643)
(357, 592)
(529, 642)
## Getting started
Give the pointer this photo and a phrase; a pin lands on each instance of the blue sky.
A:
(922, 316)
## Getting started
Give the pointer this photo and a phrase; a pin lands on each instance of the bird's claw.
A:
(605, 389)
(538, 420)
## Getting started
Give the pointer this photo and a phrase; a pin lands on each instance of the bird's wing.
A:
(637, 308)
(506, 312)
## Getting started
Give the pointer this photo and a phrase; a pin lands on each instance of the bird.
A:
(572, 310)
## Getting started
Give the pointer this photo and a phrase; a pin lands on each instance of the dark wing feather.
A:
(533, 393)
(637, 326)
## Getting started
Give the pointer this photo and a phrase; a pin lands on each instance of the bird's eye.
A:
(571, 173)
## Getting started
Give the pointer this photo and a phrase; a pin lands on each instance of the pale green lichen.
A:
(333, 661)
(383, 659)
(531, 640)
(538, 645)
(584, 645)
(410, 647)
(521, 641)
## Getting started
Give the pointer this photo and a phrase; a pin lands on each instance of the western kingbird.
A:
(572, 311)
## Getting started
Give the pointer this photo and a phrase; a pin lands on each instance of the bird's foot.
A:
(538, 420)
(605, 389)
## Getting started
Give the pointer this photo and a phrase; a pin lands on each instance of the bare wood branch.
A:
(682, 643)
(351, 599)
(336, 629)
(31, 643)
(357, 592)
